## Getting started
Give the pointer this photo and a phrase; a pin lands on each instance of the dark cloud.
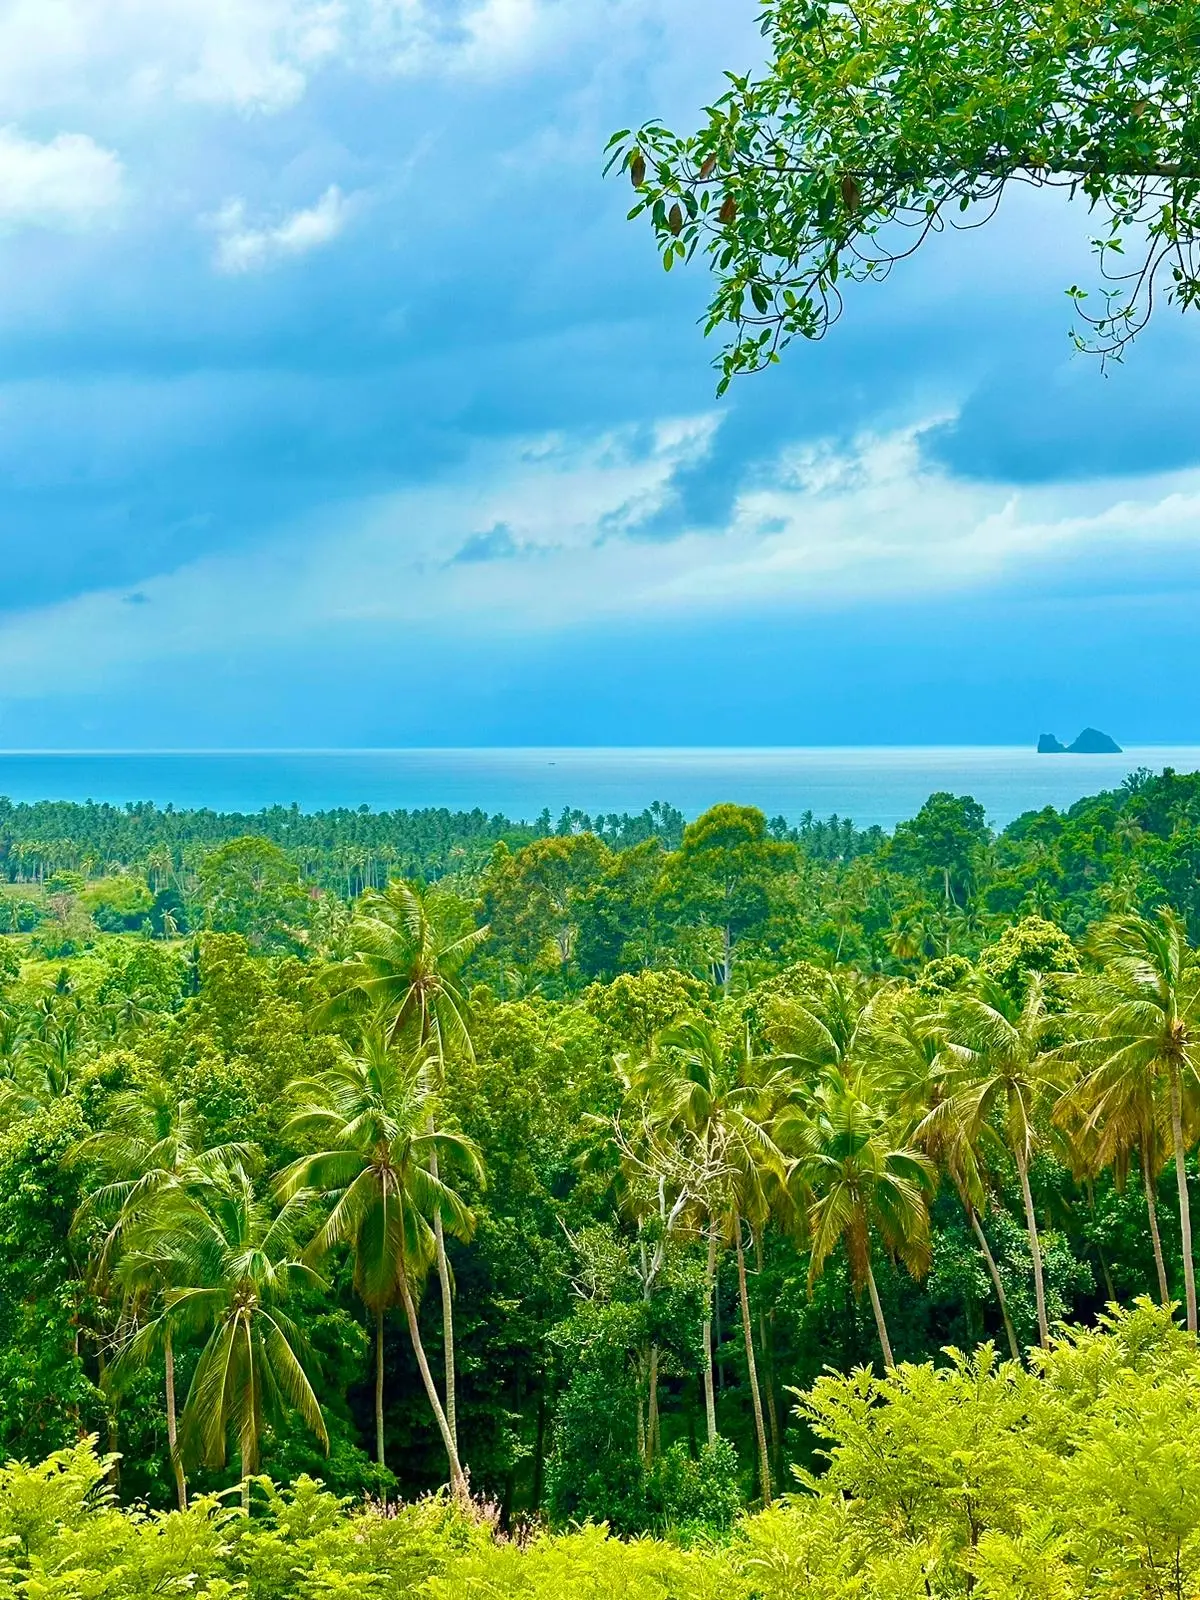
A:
(497, 544)
(1039, 420)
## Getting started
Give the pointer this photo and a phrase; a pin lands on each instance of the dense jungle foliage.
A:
(1075, 1479)
(559, 1179)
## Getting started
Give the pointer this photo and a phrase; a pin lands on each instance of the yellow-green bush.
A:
(1077, 1480)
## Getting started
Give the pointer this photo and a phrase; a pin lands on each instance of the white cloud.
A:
(245, 248)
(127, 57)
(253, 55)
(494, 38)
(70, 181)
(567, 516)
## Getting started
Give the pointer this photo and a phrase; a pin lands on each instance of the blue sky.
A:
(340, 405)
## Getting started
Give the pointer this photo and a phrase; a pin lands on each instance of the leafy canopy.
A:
(880, 123)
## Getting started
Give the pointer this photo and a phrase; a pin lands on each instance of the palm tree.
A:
(234, 1267)
(373, 1115)
(15, 1099)
(159, 866)
(1113, 1112)
(150, 1149)
(42, 1072)
(829, 1026)
(904, 1054)
(722, 1099)
(1147, 1025)
(916, 933)
(658, 1184)
(42, 1066)
(992, 1066)
(406, 972)
(125, 1013)
(855, 1180)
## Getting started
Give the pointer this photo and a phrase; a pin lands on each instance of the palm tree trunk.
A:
(1035, 1249)
(764, 1336)
(767, 1345)
(1089, 1188)
(1106, 1273)
(539, 1453)
(710, 1285)
(379, 1386)
(172, 1426)
(652, 1429)
(443, 1267)
(994, 1274)
(248, 1430)
(764, 1464)
(458, 1482)
(719, 1363)
(1160, 1267)
(880, 1324)
(1185, 1208)
(110, 1427)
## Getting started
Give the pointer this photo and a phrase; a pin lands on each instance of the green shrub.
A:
(695, 1497)
(1076, 1480)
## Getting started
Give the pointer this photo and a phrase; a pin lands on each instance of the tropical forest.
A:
(425, 1203)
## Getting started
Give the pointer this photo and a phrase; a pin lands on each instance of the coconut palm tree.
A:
(406, 973)
(654, 1195)
(828, 1027)
(855, 1180)
(904, 1057)
(1146, 1021)
(993, 1070)
(40, 1066)
(372, 1115)
(15, 1097)
(722, 1100)
(149, 1151)
(234, 1267)
(1114, 1112)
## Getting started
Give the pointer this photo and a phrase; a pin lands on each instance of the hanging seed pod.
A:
(709, 167)
(728, 209)
(851, 192)
(637, 169)
(675, 220)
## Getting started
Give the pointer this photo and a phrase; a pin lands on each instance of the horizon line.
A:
(558, 749)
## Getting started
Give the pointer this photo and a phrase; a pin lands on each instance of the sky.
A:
(341, 406)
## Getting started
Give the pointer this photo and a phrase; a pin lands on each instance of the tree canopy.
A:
(880, 123)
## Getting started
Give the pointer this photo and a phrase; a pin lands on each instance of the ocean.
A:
(870, 785)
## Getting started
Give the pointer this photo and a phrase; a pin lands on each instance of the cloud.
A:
(252, 55)
(497, 544)
(68, 182)
(830, 526)
(489, 39)
(260, 56)
(244, 248)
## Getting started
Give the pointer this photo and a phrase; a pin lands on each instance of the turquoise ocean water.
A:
(870, 785)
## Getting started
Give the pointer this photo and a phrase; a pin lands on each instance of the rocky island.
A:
(1091, 742)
